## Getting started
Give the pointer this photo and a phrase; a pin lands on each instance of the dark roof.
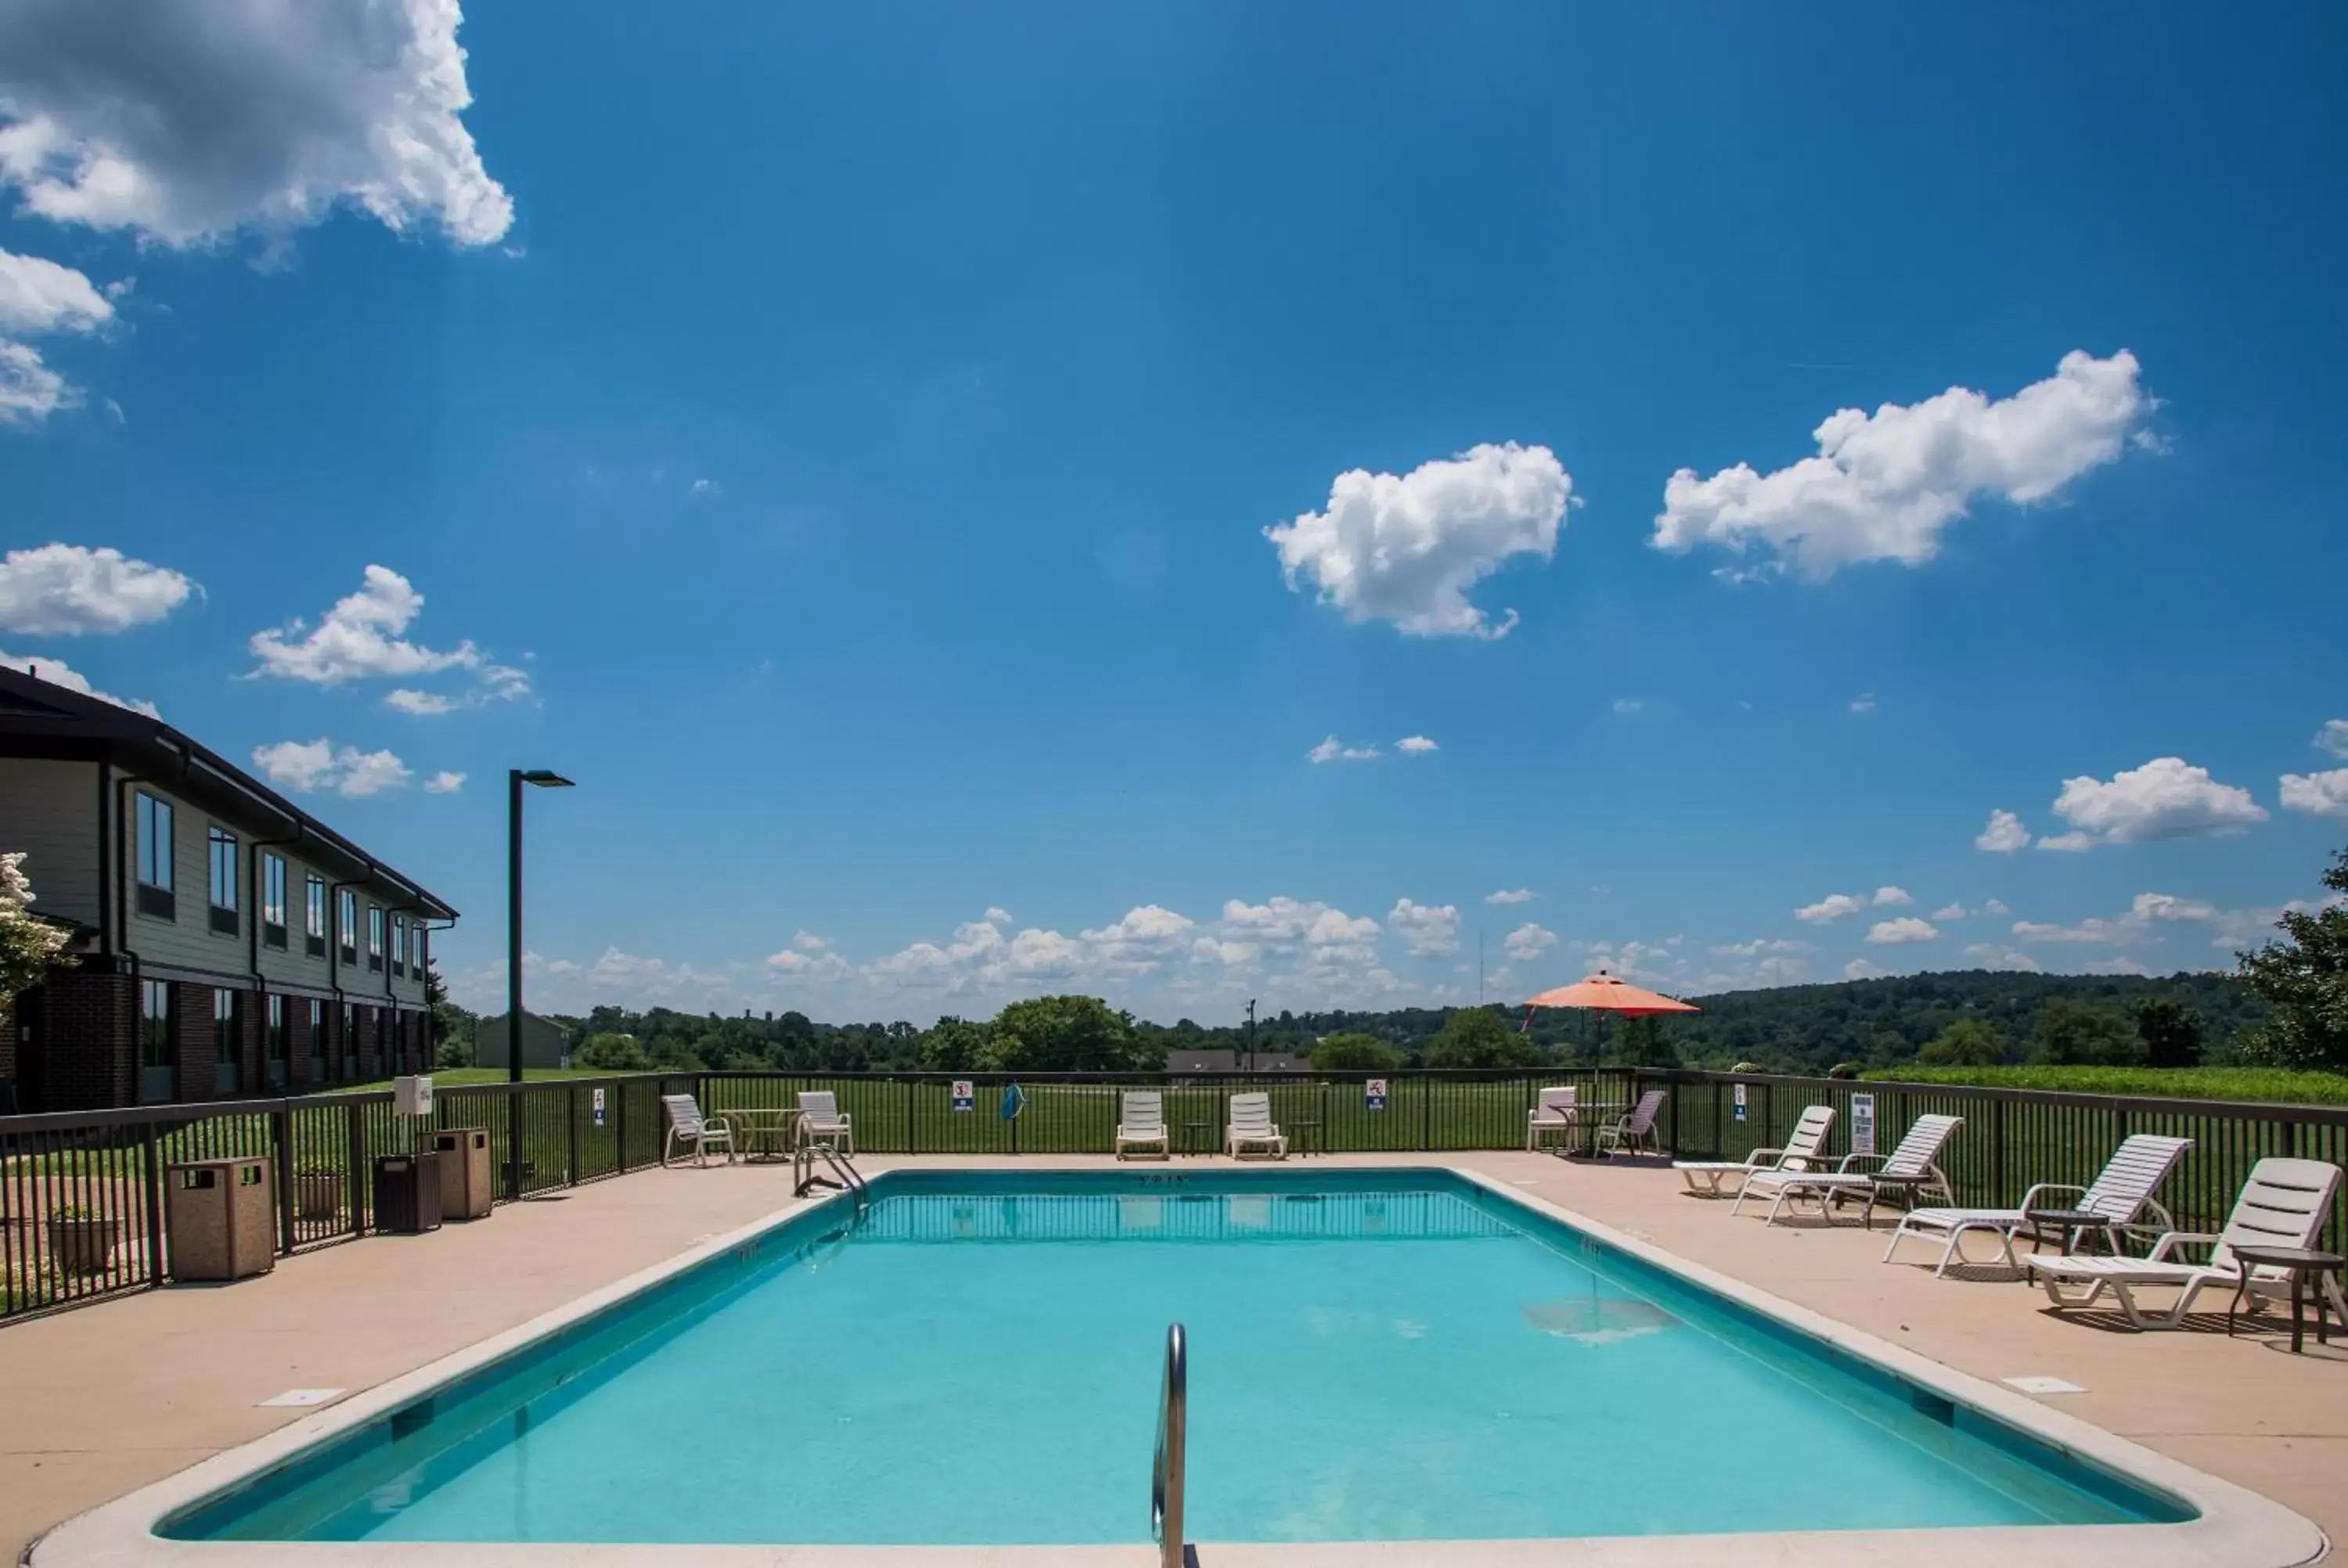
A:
(40, 719)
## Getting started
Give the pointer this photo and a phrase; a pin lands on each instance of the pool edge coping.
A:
(2235, 1526)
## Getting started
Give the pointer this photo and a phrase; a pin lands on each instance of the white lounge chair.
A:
(2284, 1204)
(1552, 1111)
(1251, 1127)
(1636, 1130)
(2122, 1190)
(1914, 1165)
(688, 1126)
(821, 1121)
(1141, 1123)
(1804, 1151)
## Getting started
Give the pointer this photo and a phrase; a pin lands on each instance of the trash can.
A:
(407, 1193)
(465, 1172)
(220, 1218)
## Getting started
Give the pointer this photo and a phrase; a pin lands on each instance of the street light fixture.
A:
(515, 778)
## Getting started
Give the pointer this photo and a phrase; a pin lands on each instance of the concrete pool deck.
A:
(102, 1401)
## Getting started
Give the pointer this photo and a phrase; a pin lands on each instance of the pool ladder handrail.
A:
(1166, 1471)
(804, 1178)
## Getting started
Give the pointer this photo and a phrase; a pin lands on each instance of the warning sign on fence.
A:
(599, 1108)
(963, 1100)
(1862, 1123)
(1740, 1103)
(1373, 1094)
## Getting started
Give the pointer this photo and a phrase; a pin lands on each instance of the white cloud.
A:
(360, 637)
(616, 970)
(1528, 942)
(409, 700)
(1996, 906)
(1628, 704)
(1432, 930)
(1885, 486)
(304, 766)
(1952, 912)
(444, 782)
(1906, 928)
(1891, 895)
(997, 915)
(2318, 794)
(1336, 751)
(2067, 843)
(2165, 798)
(1760, 945)
(1990, 956)
(1323, 935)
(1833, 906)
(1415, 745)
(705, 487)
(2123, 930)
(1138, 940)
(2004, 834)
(806, 941)
(2114, 966)
(1407, 550)
(29, 390)
(1511, 895)
(799, 962)
(2334, 737)
(65, 590)
(185, 120)
(57, 672)
(1863, 703)
(38, 295)
(1861, 970)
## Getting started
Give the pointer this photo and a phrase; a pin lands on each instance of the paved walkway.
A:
(104, 1399)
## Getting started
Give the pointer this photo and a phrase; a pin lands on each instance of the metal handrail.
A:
(1166, 1470)
(803, 1152)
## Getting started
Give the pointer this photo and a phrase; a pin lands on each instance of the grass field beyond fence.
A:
(2269, 1085)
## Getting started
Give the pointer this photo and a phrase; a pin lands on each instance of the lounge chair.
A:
(2116, 1196)
(821, 1121)
(688, 1126)
(1636, 1130)
(1552, 1111)
(2284, 1204)
(1913, 1168)
(1804, 1150)
(1251, 1127)
(1141, 1123)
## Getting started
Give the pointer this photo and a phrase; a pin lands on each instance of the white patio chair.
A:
(1636, 1130)
(1804, 1151)
(688, 1126)
(2122, 1190)
(1914, 1165)
(1553, 1111)
(821, 1121)
(1251, 1127)
(2284, 1204)
(1141, 1123)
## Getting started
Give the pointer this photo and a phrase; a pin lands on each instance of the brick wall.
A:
(88, 1022)
(191, 1022)
(370, 1028)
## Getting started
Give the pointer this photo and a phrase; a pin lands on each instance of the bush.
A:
(2082, 1034)
(1844, 1069)
(1968, 1042)
(1476, 1037)
(613, 1053)
(1355, 1053)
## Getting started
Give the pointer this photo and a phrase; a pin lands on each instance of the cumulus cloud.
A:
(57, 672)
(29, 390)
(1529, 941)
(1952, 912)
(1760, 945)
(2334, 737)
(1885, 486)
(1140, 939)
(65, 590)
(1406, 549)
(1906, 928)
(800, 962)
(1891, 895)
(2166, 798)
(38, 295)
(1833, 906)
(409, 700)
(185, 120)
(2067, 843)
(1332, 750)
(1414, 746)
(997, 915)
(2317, 795)
(306, 767)
(2125, 930)
(2003, 835)
(1996, 906)
(1861, 970)
(1511, 895)
(444, 782)
(364, 637)
(1991, 956)
(1432, 930)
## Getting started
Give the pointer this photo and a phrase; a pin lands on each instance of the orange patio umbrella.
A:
(1605, 993)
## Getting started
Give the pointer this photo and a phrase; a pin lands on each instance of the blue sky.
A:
(846, 442)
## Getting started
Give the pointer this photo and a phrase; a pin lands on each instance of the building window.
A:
(350, 1041)
(228, 1042)
(158, 1055)
(398, 945)
(272, 900)
(375, 937)
(222, 845)
(346, 924)
(415, 959)
(314, 916)
(281, 1053)
(317, 1040)
(154, 857)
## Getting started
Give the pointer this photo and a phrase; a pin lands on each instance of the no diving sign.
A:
(1373, 1094)
(963, 1100)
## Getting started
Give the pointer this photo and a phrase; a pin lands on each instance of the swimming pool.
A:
(1376, 1356)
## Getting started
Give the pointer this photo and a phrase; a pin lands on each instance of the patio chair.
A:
(1552, 1111)
(1251, 1127)
(1636, 1130)
(2122, 1190)
(821, 1121)
(1804, 1150)
(1141, 1123)
(2284, 1204)
(1912, 1167)
(688, 1126)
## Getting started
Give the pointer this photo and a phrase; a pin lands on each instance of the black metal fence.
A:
(81, 1194)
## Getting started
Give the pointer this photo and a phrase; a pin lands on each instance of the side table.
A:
(2300, 1261)
(2067, 1227)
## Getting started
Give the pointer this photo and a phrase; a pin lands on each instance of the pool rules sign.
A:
(1862, 1123)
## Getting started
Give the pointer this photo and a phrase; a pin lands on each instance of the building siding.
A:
(48, 809)
(186, 941)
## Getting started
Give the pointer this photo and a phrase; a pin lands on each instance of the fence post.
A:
(620, 1125)
(912, 1137)
(1426, 1115)
(1997, 1150)
(281, 1134)
(570, 1136)
(355, 1135)
(154, 1149)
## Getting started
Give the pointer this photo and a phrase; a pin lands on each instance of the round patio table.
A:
(2300, 1261)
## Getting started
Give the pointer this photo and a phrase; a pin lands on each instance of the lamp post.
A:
(515, 779)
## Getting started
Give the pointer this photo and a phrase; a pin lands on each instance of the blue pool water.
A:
(1373, 1356)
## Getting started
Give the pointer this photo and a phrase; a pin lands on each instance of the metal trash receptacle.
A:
(466, 1173)
(407, 1193)
(220, 1218)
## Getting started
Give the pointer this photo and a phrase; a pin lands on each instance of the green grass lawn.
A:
(458, 1077)
(2272, 1085)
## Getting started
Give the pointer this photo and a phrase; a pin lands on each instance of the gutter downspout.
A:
(259, 909)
